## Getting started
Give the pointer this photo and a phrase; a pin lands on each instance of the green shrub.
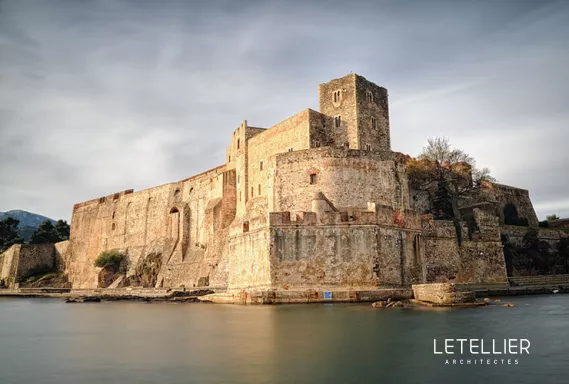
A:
(110, 259)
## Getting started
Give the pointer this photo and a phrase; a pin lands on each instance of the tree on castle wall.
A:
(450, 175)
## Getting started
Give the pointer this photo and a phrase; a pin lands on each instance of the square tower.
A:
(360, 110)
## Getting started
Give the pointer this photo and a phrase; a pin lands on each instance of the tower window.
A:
(313, 178)
(290, 149)
(252, 192)
(337, 96)
(373, 123)
(317, 144)
(368, 147)
(369, 96)
(238, 143)
(113, 227)
(337, 121)
(261, 165)
(229, 159)
(259, 189)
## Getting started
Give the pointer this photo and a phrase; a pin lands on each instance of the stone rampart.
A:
(477, 259)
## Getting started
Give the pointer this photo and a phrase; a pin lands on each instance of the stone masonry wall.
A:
(505, 194)
(343, 106)
(371, 177)
(22, 260)
(373, 115)
(174, 220)
(293, 133)
(479, 259)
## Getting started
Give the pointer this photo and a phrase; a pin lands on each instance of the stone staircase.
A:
(539, 281)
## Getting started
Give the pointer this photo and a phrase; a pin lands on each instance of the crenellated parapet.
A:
(376, 215)
(104, 199)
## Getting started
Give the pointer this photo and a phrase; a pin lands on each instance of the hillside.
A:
(27, 219)
(29, 222)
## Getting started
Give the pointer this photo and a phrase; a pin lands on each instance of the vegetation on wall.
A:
(113, 264)
(110, 259)
(448, 173)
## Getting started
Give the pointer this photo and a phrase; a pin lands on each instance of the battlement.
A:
(101, 200)
(376, 215)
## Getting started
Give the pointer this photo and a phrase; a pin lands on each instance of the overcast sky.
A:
(102, 96)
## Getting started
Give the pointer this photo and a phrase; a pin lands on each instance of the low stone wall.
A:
(22, 260)
(441, 293)
(307, 296)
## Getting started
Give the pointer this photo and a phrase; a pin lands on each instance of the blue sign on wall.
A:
(328, 295)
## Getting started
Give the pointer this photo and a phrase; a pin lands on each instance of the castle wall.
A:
(249, 266)
(365, 251)
(21, 260)
(373, 115)
(323, 133)
(9, 262)
(505, 194)
(292, 133)
(175, 220)
(363, 110)
(344, 106)
(349, 179)
(479, 259)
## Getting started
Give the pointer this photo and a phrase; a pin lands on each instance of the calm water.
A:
(48, 341)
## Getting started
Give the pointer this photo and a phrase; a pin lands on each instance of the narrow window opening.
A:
(252, 191)
(245, 226)
(113, 227)
(373, 123)
(337, 121)
(238, 143)
(290, 149)
(368, 147)
(317, 144)
(259, 189)
(113, 214)
(261, 165)
(346, 145)
(369, 97)
(313, 178)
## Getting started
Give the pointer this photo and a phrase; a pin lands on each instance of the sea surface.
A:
(47, 341)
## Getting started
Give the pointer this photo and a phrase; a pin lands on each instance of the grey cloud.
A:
(97, 97)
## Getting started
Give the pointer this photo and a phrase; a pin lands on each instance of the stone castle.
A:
(316, 203)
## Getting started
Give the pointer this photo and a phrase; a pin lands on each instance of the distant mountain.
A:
(27, 219)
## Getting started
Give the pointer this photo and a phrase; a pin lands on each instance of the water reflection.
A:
(47, 341)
